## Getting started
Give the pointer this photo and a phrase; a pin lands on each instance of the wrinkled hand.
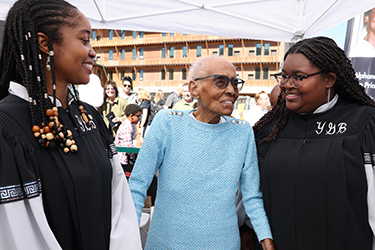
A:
(247, 241)
(267, 244)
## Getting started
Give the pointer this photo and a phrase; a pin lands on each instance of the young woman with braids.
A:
(316, 153)
(61, 183)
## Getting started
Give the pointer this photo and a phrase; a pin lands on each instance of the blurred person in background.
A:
(174, 98)
(127, 90)
(157, 104)
(113, 108)
(187, 101)
(262, 101)
(144, 99)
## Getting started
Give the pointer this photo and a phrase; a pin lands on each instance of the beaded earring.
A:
(48, 66)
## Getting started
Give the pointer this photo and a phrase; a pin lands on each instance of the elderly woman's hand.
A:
(267, 244)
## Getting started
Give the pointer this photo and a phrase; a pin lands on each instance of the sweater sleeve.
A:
(252, 196)
(149, 159)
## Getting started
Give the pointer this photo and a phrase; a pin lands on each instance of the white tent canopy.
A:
(278, 20)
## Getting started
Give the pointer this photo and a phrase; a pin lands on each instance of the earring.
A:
(48, 66)
(329, 94)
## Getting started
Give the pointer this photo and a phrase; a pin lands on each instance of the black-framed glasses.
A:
(222, 81)
(295, 80)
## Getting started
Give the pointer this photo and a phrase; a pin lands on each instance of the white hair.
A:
(200, 67)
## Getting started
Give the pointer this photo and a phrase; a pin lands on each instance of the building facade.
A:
(161, 60)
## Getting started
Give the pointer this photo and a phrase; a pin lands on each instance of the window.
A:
(163, 34)
(134, 52)
(122, 34)
(110, 34)
(163, 52)
(237, 53)
(251, 52)
(257, 73)
(199, 51)
(171, 34)
(171, 74)
(134, 34)
(122, 75)
(184, 34)
(134, 76)
(123, 54)
(230, 49)
(259, 49)
(184, 52)
(140, 54)
(221, 49)
(250, 77)
(171, 52)
(266, 49)
(98, 38)
(273, 52)
(110, 55)
(141, 34)
(183, 74)
(93, 35)
(141, 75)
(110, 75)
(162, 74)
(265, 73)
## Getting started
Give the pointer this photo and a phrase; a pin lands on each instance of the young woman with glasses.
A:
(316, 153)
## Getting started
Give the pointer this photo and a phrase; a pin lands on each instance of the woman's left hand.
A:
(267, 244)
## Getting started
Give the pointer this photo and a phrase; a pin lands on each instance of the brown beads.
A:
(54, 134)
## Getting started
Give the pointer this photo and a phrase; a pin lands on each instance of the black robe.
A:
(313, 179)
(75, 187)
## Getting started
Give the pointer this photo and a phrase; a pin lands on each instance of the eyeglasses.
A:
(127, 85)
(110, 89)
(295, 80)
(222, 81)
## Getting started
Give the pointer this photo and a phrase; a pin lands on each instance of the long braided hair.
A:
(323, 53)
(20, 58)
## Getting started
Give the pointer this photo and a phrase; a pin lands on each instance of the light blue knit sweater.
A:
(200, 166)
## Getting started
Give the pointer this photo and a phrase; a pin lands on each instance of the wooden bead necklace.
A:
(54, 134)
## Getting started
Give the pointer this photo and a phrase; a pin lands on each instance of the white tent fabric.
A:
(278, 20)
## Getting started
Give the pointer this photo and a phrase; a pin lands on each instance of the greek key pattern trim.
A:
(20, 191)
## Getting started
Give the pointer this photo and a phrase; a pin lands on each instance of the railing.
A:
(127, 150)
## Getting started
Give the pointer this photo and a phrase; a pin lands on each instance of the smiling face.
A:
(74, 56)
(313, 91)
(213, 101)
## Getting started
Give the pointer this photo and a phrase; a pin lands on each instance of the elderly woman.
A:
(316, 153)
(201, 156)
